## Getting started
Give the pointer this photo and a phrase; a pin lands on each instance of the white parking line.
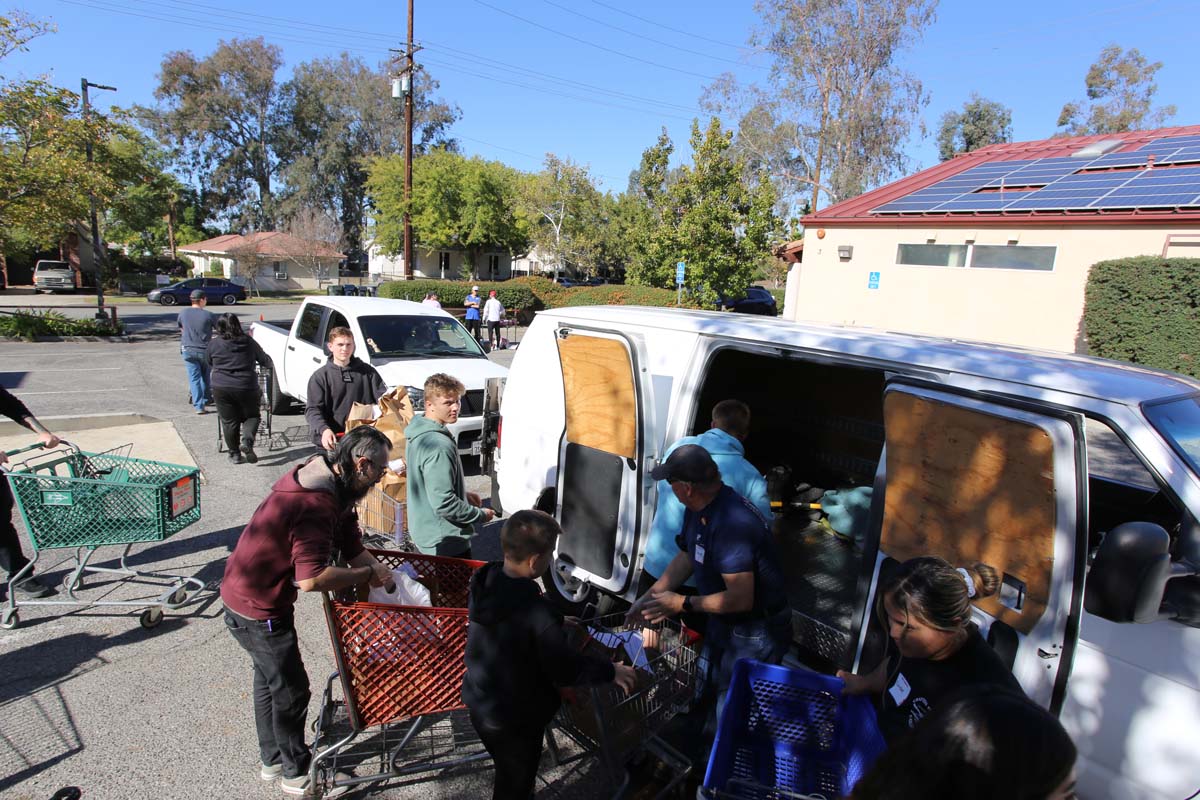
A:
(77, 391)
(85, 369)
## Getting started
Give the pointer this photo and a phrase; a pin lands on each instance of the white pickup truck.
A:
(405, 342)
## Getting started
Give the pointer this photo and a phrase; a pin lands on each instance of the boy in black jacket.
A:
(517, 655)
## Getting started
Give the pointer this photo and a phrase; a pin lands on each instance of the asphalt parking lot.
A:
(90, 699)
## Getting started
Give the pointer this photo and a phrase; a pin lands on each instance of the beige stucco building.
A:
(266, 261)
(996, 245)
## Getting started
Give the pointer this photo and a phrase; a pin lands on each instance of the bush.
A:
(452, 294)
(778, 294)
(1145, 310)
(30, 324)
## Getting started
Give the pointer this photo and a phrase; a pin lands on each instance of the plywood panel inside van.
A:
(969, 486)
(601, 399)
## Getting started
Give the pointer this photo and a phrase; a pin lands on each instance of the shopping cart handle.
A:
(26, 449)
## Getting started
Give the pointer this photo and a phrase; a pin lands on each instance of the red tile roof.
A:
(265, 243)
(856, 211)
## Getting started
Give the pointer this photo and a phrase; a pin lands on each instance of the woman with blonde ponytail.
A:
(926, 607)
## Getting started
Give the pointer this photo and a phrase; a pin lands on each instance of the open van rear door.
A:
(972, 479)
(600, 486)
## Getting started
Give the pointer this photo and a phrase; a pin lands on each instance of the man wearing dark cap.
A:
(196, 327)
(726, 544)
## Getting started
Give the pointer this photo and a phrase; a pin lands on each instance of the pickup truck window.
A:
(309, 328)
(1179, 423)
(418, 337)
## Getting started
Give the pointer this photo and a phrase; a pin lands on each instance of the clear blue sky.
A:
(595, 80)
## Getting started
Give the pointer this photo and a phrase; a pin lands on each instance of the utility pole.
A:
(408, 148)
(97, 251)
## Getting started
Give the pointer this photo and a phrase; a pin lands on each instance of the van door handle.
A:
(316, 360)
(292, 347)
(1043, 654)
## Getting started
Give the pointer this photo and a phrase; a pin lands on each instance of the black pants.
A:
(12, 560)
(281, 691)
(515, 753)
(473, 327)
(238, 411)
(494, 333)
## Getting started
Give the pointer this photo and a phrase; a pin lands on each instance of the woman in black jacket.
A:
(231, 356)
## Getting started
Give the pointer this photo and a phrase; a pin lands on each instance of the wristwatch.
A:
(687, 603)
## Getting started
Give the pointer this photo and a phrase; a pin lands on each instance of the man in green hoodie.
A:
(441, 512)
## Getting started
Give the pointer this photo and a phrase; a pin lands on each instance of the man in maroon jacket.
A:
(289, 545)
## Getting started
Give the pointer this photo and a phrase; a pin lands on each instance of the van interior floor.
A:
(822, 571)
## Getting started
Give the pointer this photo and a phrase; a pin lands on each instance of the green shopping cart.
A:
(70, 499)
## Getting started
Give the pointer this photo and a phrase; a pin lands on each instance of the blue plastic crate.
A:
(792, 730)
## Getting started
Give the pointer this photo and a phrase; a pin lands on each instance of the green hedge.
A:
(1145, 310)
(531, 294)
(29, 324)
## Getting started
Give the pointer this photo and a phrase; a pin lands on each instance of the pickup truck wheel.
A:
(280, 402)
(229, 299)
(167, 299)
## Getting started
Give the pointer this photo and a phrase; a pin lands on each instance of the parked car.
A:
(757, 301)
(568, 283)
(53, 276)
(596, 281)
(217, 290)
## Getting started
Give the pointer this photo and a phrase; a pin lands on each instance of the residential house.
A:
(995, 245)
(267, 261)
(431, 263)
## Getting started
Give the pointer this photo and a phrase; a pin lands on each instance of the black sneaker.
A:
(236, 456)
(31, 587)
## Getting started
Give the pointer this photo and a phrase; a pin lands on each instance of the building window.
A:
(1000, 256)
(932, 255)
(978, 256)
(493, 266)
(443, 262)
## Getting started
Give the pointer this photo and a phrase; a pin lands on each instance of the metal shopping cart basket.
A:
(399, 672)
(70, 499)
(383, 521)
(614, 727)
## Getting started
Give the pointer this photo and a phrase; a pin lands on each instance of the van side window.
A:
(1121, 488)
(309, 328)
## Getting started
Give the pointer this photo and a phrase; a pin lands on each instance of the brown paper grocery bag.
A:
(360, 414)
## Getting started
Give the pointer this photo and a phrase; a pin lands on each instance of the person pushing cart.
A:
(12, 560)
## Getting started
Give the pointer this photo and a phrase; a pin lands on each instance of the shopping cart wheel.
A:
(10, 619)
(151, 618)
(72, 587)
(177, 596)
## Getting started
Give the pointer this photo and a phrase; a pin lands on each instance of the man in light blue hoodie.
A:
(723, 441)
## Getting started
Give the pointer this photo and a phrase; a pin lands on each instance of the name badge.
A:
(900, 690)
(699, 553)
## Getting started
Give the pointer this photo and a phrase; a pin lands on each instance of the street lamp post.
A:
(97, 251)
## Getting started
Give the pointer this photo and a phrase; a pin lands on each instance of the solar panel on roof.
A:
(1117, 160)
(1183, 155)
(982, 202)
(1151, 200)
(1095, 181)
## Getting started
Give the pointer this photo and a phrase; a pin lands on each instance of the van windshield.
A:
(52, 266)
(1179, 423)
(418, 337)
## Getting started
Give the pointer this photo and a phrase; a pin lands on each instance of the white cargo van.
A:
(1078, 478)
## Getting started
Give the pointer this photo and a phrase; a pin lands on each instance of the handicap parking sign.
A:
(872, 280)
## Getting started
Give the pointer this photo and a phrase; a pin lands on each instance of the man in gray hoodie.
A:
(441, 512)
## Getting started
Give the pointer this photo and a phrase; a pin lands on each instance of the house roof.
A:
(264, 243)
(864, 209)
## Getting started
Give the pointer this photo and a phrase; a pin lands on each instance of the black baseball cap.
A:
(197, 294)
(690, 463)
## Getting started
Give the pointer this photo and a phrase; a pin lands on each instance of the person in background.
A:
(286, 548)
(926, 607)
(493, 312)
(472, 319)
(981, 743)
(517, 655)
(727, 544)
(196, 327)
(441, 512)
(334, 389)
(724, 442)
(231, 359)
(12, 560)
(431, 299)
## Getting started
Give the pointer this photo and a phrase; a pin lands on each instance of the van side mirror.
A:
(1129, 573)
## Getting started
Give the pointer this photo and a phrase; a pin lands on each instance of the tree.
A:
(458, 203)
(565, 207)
(1120, 88)
(645, 217)
(712, 215)
(221, 117)
(338, 115)
(833, 116)
(17, 29)
(980, 123)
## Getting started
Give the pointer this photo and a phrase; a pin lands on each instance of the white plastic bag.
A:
(408, 592)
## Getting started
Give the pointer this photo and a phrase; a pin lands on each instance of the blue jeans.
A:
(198, 376)
(761, 640)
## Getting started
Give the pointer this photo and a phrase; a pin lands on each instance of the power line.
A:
(651, 39)
(676, 30)
(581, 40)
